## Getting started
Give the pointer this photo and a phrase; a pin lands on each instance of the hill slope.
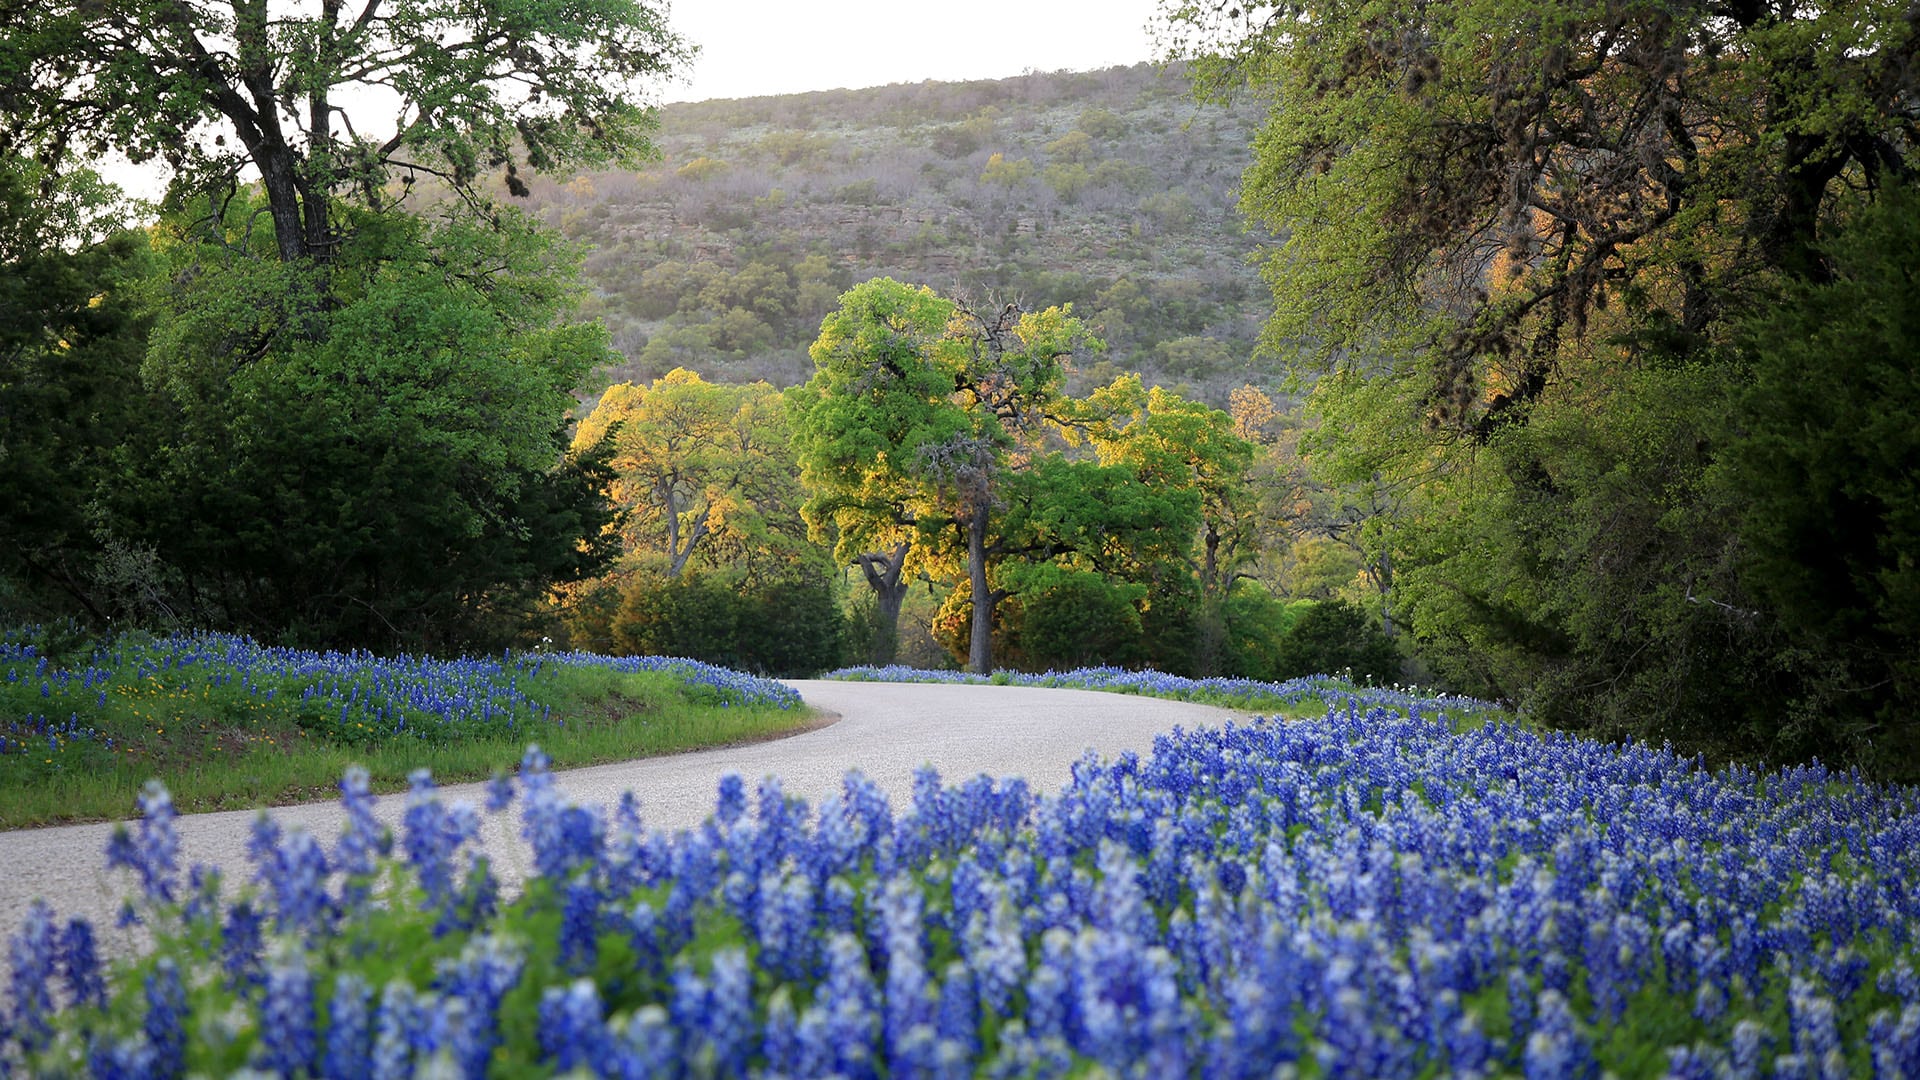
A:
(1112, 190)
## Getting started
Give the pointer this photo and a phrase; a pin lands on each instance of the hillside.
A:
(1111, 190)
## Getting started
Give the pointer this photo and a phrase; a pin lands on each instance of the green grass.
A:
(218, 748)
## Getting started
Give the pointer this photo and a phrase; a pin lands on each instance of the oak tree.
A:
(330, 98)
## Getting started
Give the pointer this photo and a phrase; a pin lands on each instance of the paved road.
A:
(885, 729)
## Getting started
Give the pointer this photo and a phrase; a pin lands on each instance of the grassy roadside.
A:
(227, 724)
(1295, 698)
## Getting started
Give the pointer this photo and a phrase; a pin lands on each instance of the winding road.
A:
(885, 730)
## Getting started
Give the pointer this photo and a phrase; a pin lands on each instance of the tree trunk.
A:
(884, 574)
(1383, 580)
(980, 648)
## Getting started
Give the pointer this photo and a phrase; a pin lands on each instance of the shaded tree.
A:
(1532, 236)
(1827, 461)
(390, 469)
(1480, 178)
(72, 333)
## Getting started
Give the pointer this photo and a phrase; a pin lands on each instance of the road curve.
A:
(886, 730)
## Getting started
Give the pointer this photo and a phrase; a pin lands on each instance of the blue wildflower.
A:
(152, 848)
(288, 1043)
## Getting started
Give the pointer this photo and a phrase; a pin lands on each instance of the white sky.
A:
(753, 47)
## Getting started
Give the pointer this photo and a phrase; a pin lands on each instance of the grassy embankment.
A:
(1299, 698)
(228, 724)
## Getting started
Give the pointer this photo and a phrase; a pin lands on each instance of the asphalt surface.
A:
(886, 730)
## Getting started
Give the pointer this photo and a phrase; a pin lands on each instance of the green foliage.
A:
(1824, 459)
(71, 337)
(1712, 145)
(787, 626)
(1634, 452)
(1255, 627)
(372, 452)
(1066, 619)
(702, 472)
(1336, 638)
(212, 92)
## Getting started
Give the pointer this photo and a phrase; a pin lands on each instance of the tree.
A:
(1826, 462)
(1533, 236)
(918, 412)
(699, 468)
(386, 469)
(71, 338)
(876, 395)
(214, 89)
(1478, 179)
(1171, 443)
(788, 625)
(1332, 638)
(1008, 369)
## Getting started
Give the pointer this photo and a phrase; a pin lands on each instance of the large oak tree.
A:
(318, 99)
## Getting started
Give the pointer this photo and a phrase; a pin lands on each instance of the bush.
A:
(786, 626)
(1334, 636)
(1082, 620)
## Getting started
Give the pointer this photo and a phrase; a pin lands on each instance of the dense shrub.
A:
(786, 626)
(1080, 620)
(1336, 636)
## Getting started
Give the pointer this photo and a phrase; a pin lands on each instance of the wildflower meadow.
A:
(1369, 893)
(234, 723)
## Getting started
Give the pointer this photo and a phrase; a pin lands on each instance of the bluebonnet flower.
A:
(730, 1024)
(647, 1046)
(80, 963)
(1555, 1049)
(202, 907)
(785, 925)
(240, 947)
(959, 1021)
(288, 1042)
(362, 841)
(732, 800)
(152, 848)
(295, 872)
(572, 1032)
(120, 1059)
(910, 999)
(1894, 1045)
(487, 968)
(32, 954)
(499, 793)
(780, 1043)
(850, 1005)
(479, 899)
(394, 1032)
(349, 1029)
(579, 926)
(563, 835)
(166, 1020)
(434, 835)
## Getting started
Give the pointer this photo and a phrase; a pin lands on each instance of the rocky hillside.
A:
(1111, 190)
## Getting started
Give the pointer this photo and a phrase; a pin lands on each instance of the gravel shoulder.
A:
(885, 730)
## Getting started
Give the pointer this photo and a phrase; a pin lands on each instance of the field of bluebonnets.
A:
(243, 723)
(1366, 894)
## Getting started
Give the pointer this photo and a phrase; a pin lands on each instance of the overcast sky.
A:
(753, 47)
